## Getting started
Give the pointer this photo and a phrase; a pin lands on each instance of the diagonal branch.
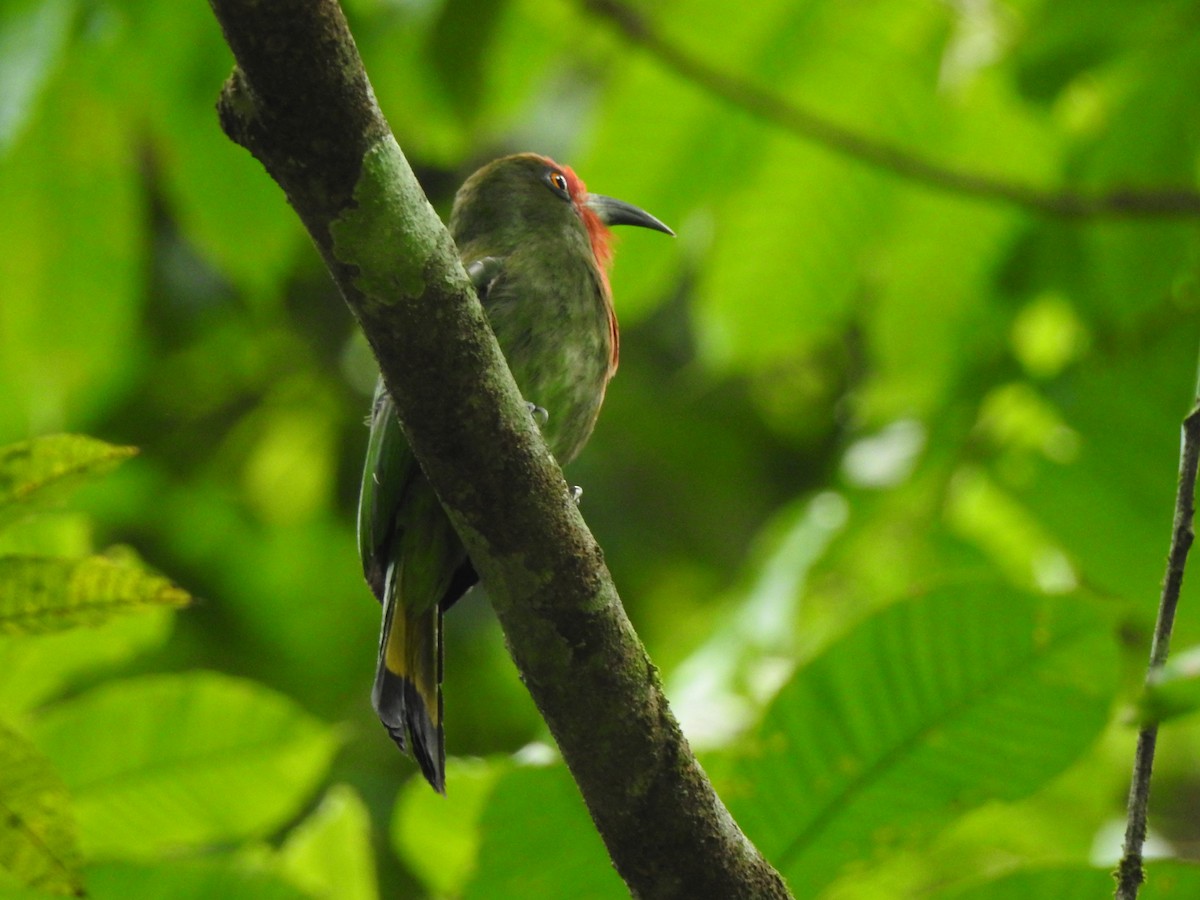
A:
(300, 101)
(810, 126)
(1129, 872)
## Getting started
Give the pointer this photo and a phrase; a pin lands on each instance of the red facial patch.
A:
(601, 239)
(597, 231)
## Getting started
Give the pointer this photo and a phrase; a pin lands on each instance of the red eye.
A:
(558, 181)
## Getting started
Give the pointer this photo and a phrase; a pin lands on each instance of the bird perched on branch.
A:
(537, 247)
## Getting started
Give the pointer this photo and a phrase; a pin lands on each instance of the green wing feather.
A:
(389, 468)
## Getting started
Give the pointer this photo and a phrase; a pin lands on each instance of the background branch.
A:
(300, 101)
(1129, 873)
(1175, 202)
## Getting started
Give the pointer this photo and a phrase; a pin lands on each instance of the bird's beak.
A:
(617, 212)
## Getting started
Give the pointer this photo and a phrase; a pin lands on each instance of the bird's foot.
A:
(576, 494)
(539, 413)
(482, 273)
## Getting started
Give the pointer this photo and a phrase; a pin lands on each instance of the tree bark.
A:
(300, 101)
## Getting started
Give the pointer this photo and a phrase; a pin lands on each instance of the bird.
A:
(537, 247)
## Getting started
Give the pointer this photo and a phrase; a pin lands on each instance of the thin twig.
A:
(1129, 873)
(1060, 204)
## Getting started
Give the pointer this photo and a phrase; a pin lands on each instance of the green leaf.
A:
(1163, 880)
(218, 195)
(458, 47)
(925, 710)
(182, 760)
(554, 851)
(36, 667)
(1105, 498)
(75, 238)
(711, 690)
(40, 471)
(228, 879)
(394, 52)
(438, 837)
(38, 843)
(33, 36)
(39, 594)
(804, 289)
(329, 853)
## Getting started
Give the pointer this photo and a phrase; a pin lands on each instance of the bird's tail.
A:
(408, 684)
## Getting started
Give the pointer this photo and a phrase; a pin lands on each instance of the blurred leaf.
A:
(238, 218)
(41, 471)
(553, 852)
(223, 200)
(1107, 498)
(33, 37)
(707, 152)
(290, 466)
(1004, 530)
(1129, 270)
(73, 264)
(62, 533)
(36, 667)
(458, 78)
(38, 843)
(425, 124)
(263, 577)
(713, 692)
(189, 880)
(1064, 40)
(926, 709)
(803, 289)
(1173, 690)
(439, 837)
(179, 760)
(458, 48)
(1163, 879)
(329, 853)
(10, 891)
(1047, 335)
(39, 594)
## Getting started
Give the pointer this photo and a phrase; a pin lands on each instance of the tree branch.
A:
(806, 124)
(300, 101)
(1129, 871)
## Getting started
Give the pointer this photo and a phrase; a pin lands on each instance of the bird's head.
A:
(525, 193)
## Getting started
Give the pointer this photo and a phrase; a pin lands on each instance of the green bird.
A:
(537, 247)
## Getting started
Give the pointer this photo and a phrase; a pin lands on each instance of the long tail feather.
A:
(407, 694)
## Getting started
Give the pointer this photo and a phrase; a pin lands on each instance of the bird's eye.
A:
(558, 181)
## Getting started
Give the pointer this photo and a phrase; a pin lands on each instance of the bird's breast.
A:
(553, 323)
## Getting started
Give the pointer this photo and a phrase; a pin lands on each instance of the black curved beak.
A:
(617, 212)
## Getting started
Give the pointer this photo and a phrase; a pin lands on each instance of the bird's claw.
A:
(482, 273)
(540, 414)
(576, 494)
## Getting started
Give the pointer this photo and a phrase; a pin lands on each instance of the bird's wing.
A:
(388, 472)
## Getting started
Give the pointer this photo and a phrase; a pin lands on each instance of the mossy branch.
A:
(300, 101)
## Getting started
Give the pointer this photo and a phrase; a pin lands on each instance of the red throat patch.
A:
(597, 231)
(601, 238)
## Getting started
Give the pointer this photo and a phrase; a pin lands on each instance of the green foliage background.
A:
(885, 478)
